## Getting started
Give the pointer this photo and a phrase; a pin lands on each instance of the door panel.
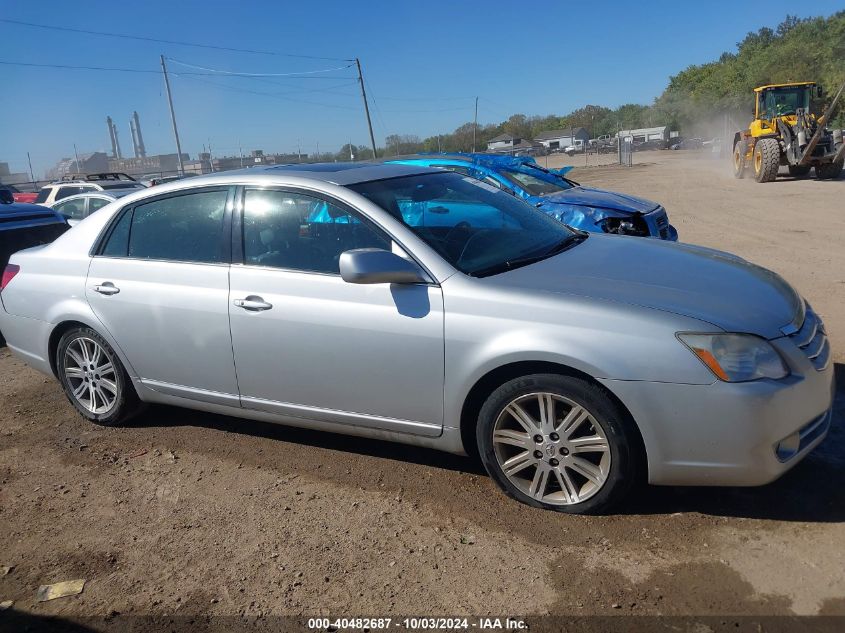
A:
(170, 319)
(369, 355)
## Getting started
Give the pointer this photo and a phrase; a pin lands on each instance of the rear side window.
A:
(72, 209)
(95, 204)
(65, 192)
(185, 228)
(43, 194)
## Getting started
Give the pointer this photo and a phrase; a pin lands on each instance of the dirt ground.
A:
(189, 513)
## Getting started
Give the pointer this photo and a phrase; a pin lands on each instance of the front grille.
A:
(811, 338)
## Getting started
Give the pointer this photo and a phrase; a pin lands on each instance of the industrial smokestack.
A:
(134, 137)
(142, 151)
(116, 140)
(112, 137)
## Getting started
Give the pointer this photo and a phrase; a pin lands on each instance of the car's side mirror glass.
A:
(378, 266)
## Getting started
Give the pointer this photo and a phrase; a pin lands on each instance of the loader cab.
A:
(783, 100)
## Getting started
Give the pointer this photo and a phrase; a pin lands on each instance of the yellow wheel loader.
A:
(785, 132)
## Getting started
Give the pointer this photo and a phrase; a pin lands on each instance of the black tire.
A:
(614, 423)
(126, 403)
(766, 159)
(830, 171)
(740, 151)
(799, 171)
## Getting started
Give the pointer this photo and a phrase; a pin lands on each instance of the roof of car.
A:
(25, 210)
(337, 173)
(111, 194)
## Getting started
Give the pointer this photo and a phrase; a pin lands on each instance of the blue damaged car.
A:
(584, 208)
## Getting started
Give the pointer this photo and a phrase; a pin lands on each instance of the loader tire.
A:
(830, 171)
(740, 150)
(766, 159)
(799, 171)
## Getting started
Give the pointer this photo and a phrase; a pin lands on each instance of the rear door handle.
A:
(253, 303)
(106, 288)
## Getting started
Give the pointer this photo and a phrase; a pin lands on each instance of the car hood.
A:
(601, 199)
(692, 281)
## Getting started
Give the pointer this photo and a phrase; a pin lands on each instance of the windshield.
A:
(539, 185)
(784, 101)
(476, 227)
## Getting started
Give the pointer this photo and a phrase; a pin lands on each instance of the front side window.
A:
(72, 209)
(184, 228)
(785, 101)
(295, 231)
(477, 228)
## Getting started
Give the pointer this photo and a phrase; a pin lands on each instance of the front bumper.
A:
(731, 434)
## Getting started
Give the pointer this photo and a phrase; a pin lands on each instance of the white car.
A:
(85, 183)
(78, 207)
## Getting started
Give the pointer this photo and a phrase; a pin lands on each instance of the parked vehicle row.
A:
(418, 305)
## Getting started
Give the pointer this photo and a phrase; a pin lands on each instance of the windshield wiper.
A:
(518, 262)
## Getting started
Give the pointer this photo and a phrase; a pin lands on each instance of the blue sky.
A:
(424, 62)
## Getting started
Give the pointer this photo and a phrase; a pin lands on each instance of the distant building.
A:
(561, 139)
(509, 144)
(503, 142)
(95, 162)
(642, 135)
(8, 177)
(143, 165)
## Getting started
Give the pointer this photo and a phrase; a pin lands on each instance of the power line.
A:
(146, 71)
(263, 94)
(239, 74)
(162, 41)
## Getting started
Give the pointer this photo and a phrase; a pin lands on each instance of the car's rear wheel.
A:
(94, 379)
(557, 442)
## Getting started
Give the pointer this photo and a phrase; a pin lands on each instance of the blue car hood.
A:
(601, 199)
(692, 281)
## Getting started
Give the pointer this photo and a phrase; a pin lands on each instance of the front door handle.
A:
(253, 303)
(106, 288)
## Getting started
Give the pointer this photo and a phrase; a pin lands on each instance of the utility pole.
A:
(366, 106)
(241, 152)
(318, 151)
(475, 125)
(29, 160)
(173, 117)
(75, 153)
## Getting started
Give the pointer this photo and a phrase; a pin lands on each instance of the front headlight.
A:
(736, 357)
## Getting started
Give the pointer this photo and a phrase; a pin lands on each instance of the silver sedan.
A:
(409, 304)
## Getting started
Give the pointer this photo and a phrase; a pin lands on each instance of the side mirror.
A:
(378, 266)
(819, 92)
(6, 196)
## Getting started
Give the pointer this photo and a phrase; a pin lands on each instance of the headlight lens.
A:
(736, 357)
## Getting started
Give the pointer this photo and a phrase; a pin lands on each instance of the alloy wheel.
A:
(91, 375)
(551, 448)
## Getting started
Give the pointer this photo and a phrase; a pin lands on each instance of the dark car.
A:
(23, 225)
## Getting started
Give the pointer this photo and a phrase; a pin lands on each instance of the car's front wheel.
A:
(557, 442)
(94, 379)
